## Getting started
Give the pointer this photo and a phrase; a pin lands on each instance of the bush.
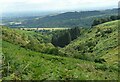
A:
(101, 60)
(101, 67)
(109, 30)
(52, 51)
(98, 34)
(90, 44)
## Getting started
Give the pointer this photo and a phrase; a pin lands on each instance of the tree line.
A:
(107, 19)
(64, 37)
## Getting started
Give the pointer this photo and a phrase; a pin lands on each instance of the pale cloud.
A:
(47, 5)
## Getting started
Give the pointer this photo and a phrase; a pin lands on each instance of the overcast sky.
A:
(55, 5)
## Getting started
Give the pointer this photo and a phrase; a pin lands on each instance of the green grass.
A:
(27, 39)
(23, 33)
(22, 64)
(103, 46)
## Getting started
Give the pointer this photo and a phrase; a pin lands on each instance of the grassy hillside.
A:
(29, 55)
(32, 40)
(99, 42)
(22, 64)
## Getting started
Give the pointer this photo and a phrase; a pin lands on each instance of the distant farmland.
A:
(43, 28)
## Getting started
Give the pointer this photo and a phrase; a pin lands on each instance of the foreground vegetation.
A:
(22, 64)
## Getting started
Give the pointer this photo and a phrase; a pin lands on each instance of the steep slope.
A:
(95, 44)
(22, 64)
(28, 39)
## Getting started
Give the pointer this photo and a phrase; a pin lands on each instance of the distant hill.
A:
(68, 19)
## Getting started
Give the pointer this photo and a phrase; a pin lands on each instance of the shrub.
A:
(101, 67)
(109, 30)
(52, 51)
(101, 60)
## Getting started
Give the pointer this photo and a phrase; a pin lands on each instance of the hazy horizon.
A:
(38, 13)
(46, 7)
(55, 5)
